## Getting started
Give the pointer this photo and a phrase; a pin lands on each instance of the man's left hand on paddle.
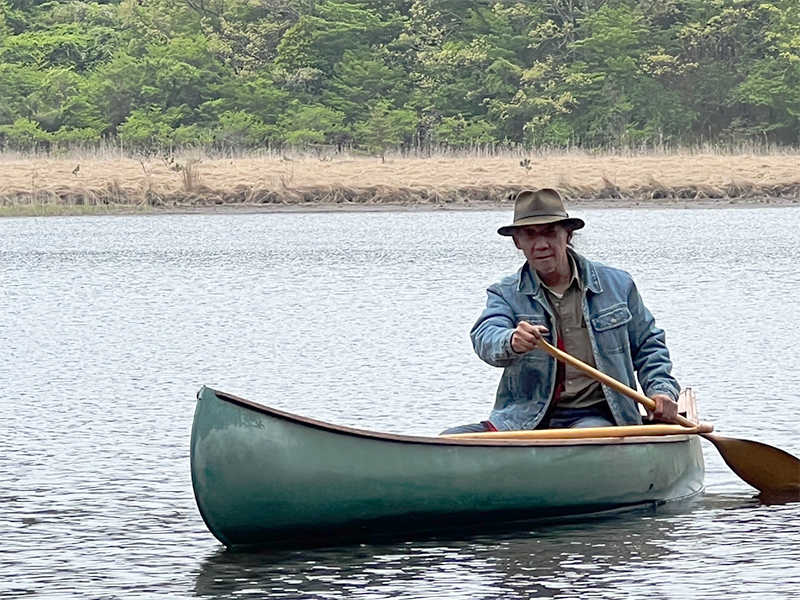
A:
(666, 409)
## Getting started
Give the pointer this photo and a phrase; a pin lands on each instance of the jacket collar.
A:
(528, 281)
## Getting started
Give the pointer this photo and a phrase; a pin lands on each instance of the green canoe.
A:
(266, 477)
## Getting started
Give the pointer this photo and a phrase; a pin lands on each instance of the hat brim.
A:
(571, 223)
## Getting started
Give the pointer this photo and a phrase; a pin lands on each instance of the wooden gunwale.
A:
(681, 434)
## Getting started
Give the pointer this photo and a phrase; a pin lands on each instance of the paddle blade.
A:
(770, 470)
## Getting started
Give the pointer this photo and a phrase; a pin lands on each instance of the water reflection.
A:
(779, 498)
(677, 550)
(510, 564)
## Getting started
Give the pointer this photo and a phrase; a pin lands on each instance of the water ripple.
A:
(110, 325)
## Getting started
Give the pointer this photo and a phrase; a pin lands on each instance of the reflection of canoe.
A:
(263, 476)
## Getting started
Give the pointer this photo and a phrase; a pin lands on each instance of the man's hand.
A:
(527, 336)
(666, 409)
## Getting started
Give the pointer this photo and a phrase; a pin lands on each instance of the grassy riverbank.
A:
(81, 184)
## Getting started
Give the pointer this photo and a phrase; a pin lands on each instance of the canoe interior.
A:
(263, 478)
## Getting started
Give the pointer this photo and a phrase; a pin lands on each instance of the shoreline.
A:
(54, 210)
(199, 184)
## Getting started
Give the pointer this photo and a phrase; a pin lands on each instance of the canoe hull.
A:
(264, 477)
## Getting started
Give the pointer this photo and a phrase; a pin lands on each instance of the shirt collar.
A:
(528, 281)
(573, 280)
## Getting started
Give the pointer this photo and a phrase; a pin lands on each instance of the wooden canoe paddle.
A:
(773, 472)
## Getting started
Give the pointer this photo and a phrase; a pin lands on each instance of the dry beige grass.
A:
(418, 181)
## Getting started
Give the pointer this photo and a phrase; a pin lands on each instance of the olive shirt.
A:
(580, 390)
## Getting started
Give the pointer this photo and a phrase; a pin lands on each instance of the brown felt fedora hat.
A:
(540, 207)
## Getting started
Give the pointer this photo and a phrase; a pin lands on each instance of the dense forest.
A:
(410, 75)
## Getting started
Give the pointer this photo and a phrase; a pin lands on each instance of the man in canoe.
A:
(591, 311)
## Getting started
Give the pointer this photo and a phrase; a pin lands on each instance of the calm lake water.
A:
(110, 325)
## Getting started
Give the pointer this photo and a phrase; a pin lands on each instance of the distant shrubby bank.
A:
(379, 75)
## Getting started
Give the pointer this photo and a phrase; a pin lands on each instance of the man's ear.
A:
(516, 243)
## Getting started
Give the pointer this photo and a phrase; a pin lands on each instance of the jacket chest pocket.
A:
(610, 328)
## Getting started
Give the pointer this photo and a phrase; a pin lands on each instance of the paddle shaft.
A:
(770, 470)
(648, 403)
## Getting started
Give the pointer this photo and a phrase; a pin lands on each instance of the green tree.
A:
(314, 124)
(320, 40)
(386, 129)
(150, 129)
(243, 130)
(17, 84)
(247, 72)
(771, 87)
(460, 132)
(361, 80)
(24, 135)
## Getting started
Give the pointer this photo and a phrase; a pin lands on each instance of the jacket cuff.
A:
(509, 351)
(667, 390)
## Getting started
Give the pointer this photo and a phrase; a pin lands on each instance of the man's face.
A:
(545, 246)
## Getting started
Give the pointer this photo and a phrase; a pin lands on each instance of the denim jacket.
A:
(624, 337)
